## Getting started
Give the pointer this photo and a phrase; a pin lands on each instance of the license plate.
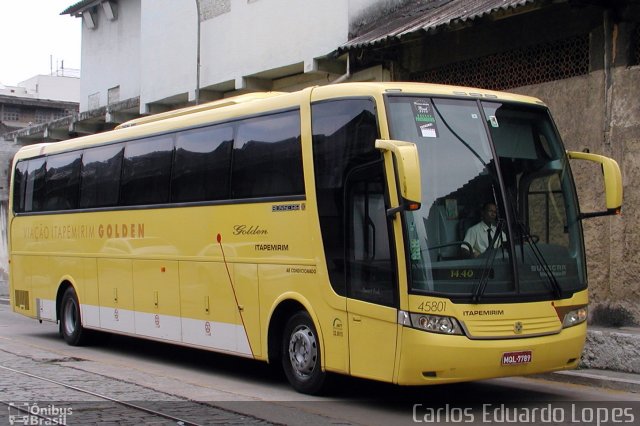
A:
(516, 358)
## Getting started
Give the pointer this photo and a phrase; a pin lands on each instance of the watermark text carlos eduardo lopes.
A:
(571, 413)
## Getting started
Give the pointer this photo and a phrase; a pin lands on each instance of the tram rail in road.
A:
(194, 413)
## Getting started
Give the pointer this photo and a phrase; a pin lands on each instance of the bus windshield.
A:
(499, 216)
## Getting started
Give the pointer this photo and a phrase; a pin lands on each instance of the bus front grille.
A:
(512, 328)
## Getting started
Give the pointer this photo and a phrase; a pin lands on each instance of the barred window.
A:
(11, 114)
(516, 68)
(42, 116)
(57, 114)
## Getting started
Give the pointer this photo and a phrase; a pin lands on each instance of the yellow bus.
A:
(326, 231)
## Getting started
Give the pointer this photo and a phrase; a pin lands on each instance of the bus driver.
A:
(479, 235)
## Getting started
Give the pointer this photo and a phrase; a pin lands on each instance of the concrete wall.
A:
(168, 49)
(261, 39)
(111, 55)
(269, 34)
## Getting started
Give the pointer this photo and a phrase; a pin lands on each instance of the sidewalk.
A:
(606, 379)
(610, 360)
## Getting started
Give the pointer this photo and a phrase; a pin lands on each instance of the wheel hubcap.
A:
(303, 351)
(70, 317)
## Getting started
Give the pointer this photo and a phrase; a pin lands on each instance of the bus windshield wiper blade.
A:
(481, 286)
(537, 253)
(454, 133)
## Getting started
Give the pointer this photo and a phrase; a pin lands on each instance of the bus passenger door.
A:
(371, 277)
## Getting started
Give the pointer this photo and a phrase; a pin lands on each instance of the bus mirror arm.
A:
(612, 182)
(404, 206)
(407, 171)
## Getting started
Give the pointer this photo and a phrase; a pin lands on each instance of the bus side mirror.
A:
(407, 166)
(612, 182)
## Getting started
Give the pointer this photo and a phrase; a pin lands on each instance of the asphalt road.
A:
(145, 370)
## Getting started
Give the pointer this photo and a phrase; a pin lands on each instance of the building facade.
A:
(40, 99)
(168, 52)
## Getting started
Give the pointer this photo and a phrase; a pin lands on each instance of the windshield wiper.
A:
(537, 253)
(525, 235)
(481, 286)
(453, 132)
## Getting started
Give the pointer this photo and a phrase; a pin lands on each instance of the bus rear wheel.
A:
(71, 328)
(301, 355)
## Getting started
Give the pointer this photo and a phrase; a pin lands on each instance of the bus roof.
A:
(248, 97)
(428, 89)
(259, 102)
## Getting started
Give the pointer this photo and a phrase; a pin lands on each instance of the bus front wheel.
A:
(70, 322)
(301, 355)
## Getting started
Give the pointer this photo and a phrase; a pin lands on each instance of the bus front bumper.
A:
(429, 358)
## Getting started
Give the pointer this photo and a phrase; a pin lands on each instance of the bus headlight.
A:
(436, 324)
(575, 317)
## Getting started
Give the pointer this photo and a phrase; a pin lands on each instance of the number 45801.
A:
(433, 306)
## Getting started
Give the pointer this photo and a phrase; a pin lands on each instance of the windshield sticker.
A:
(493, 120)
(425, 119)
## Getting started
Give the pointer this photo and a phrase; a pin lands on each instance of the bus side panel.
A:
(89, 297)
(209, 314)
(304, 281)
(62, 268)
(21, 285)
(247, 291)
(115, 289)
(43, 291)
(156, 299)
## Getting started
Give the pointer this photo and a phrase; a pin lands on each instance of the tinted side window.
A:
(62, 181)
(35, 190)
(267, 157)
(146, 173)
(100, 186)
(19, 184)
(344, 134)
(201, 164)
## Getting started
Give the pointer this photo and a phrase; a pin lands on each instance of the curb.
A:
(614, 349)
(4, 301)
(604, 379)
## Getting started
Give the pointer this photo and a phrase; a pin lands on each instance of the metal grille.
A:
(516, 68)
(22, 299)
(635, 46)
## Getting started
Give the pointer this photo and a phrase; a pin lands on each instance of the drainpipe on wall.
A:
(197, 94)
(610, 33)
(344, 76)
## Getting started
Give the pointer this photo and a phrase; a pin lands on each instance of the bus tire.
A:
(301, 355)
(71, 328)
